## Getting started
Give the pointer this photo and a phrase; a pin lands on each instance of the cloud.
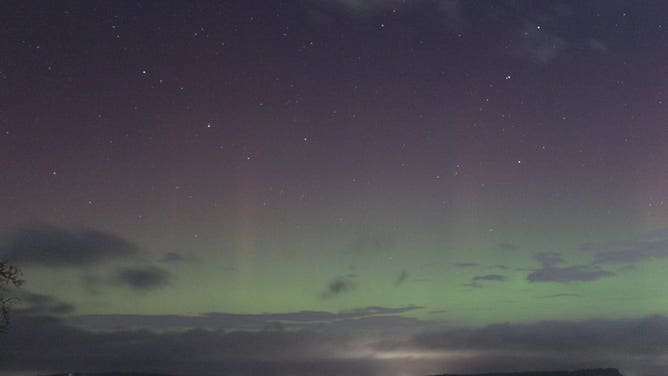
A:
(25, 303)
(548, 259)
(466, 264)
(549, 272)
(506, 247)
(654, 245)
(604, 246)
(630, 256)
(634, 252)
(657, 234)
(53, 246)
(540, 45)
(338, 286)
(401, 278)
(142, 278)
(372, 242)
(475, 281)
(569, 274)
(536, 31)
(30, 303)
(173, 257)
(502, 267)
(542, 28)
(451, 10)
(234, 321)
(651, 245)
(489, 277)
(365, 6)
(377, 310)
(560, 295)
(597, 45)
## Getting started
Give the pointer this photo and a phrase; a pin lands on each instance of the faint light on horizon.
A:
(412, 354)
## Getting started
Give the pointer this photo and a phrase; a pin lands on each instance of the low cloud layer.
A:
(643, 336)
(357, 317)
(196, 351)
(334, 346)
(53, 246)
(295, 343)
(636, 346)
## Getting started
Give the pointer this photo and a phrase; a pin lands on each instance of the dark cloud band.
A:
(43, 244)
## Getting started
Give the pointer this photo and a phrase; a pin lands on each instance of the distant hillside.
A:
(584, 372)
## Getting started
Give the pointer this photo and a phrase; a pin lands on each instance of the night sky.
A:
(335, 187)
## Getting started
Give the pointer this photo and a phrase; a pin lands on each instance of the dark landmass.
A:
(584, 372)
(108, 374)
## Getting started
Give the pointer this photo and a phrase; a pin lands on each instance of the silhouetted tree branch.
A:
(9, 276)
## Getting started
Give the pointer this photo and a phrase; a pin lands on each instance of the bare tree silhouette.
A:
(9, 276)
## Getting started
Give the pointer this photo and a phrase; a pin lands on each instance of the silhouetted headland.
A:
(584, 372)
